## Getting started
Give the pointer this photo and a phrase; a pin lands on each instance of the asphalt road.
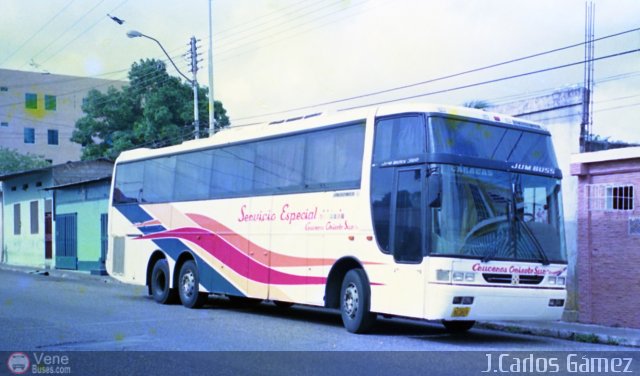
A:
(55, 314)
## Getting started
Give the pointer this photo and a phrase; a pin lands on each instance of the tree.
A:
(154, 110)
(477, 104)
(12, 161)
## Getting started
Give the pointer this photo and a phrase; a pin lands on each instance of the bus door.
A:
(407, 240)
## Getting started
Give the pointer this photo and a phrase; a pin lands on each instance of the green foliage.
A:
(12, 161)
(586, 338)
(478, 104)
(155, 110)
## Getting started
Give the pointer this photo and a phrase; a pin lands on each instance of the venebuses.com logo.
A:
(39, 363)
(18, 363)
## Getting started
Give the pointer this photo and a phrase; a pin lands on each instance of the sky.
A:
(273, 59)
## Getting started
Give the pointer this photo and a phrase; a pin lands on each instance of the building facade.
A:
(29, 209)
(608, 236)
(80, 225)
(38, 112)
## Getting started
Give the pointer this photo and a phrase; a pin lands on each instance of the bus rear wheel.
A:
(189, 286)
(160, 287)
(355, 302)
(457, 327)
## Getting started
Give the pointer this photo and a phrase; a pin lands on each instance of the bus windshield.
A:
(494, 214)
(488, 141)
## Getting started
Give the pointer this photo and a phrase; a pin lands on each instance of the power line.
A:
(244, 28)
(442, 77)
(82, 33)
(86, 89)
(55, 39)
(37, 32)
(496, 80)
(292, 35)
(223, 51)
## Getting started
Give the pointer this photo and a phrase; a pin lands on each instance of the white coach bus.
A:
(419, 211)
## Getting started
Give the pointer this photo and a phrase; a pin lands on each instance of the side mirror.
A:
(434, 186)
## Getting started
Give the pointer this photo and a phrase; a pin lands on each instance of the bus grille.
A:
(513, 279)
(118, 255)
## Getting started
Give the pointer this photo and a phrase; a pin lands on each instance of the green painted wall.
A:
(88, 226)
(88, 201)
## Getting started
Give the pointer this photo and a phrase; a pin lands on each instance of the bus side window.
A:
(399, 137)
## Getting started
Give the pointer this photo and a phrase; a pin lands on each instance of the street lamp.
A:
(193, 82)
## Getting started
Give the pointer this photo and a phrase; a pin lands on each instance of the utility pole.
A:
(194, 69)
(194, 83)
(586, 126)
(212, 111)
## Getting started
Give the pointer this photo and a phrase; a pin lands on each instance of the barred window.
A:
(610, 197)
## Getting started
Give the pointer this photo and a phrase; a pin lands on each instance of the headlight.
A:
(464, 276)
(560, 281)
(443, 275)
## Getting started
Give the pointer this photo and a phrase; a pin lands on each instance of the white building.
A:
(38, 112)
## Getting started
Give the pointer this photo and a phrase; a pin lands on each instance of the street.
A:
(61, 314)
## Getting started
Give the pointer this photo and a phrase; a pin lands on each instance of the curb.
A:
(58, 273)
(586, 334)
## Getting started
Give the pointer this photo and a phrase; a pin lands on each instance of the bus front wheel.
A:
(160, 288)
(355, 302)
(189, 286)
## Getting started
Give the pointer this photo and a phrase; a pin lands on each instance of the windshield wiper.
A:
(543, 256)
(490, 256)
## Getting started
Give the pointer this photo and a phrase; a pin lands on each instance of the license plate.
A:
(460, 311)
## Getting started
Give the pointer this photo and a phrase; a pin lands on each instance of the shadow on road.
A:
(431, 331)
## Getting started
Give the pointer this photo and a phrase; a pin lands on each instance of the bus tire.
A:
(189, 286)
(458, 326)
(355, 302)
(160, 287)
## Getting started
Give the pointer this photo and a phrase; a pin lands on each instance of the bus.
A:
(416, 210)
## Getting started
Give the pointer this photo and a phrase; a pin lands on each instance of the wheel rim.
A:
(188, 284)
(351, 299)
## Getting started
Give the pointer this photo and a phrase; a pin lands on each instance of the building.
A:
(30, 213)
(80, 225)
(38, 112)
(608, 236)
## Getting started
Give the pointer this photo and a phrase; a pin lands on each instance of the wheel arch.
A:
(334, 280)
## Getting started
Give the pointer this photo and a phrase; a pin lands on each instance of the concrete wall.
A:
(25, 248)
(609, 240)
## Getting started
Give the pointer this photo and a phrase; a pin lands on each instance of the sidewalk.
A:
(59, 273)
(557, 329)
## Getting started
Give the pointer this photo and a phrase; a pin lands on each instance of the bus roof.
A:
(241, 133)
